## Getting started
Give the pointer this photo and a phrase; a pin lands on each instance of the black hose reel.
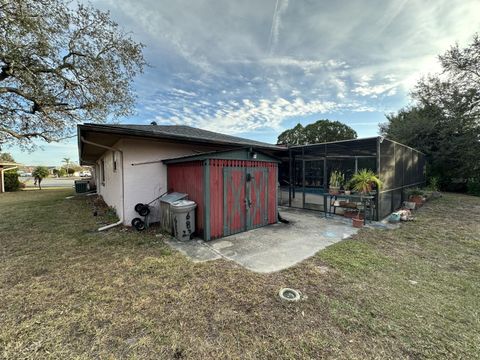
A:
(142, 210)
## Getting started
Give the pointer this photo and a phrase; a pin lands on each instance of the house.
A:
(4, 166)
(128, 159)
(132, 162)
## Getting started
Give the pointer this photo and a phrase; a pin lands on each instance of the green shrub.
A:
(11, 181)
(59, 172)
(473, 187)
(434, 183)
(414, 192)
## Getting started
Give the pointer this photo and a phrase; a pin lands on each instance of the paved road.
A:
(50, 182)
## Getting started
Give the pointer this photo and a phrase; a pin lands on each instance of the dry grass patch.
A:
(70, 292)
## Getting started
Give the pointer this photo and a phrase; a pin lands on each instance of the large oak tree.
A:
(317, 132)
(60, 65)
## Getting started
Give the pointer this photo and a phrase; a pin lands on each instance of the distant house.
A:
(128, 159)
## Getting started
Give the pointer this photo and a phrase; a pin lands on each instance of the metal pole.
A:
(2, 181)
(290, 177)
(377, 202)
(303, 177)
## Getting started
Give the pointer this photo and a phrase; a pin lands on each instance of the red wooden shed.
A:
(234, 190)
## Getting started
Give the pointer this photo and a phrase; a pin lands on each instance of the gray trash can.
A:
(183, 217)
(166, 216)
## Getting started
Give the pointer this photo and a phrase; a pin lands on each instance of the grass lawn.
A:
(68, 291)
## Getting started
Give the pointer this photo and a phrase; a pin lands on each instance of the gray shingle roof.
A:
(186, 133)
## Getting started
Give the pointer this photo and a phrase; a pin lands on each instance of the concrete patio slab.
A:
(195, 250)
(273, 247)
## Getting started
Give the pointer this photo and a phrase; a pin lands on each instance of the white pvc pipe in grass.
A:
(119, 222)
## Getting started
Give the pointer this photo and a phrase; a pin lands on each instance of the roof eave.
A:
(149, 134)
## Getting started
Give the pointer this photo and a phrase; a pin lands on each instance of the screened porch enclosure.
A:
(305, 171)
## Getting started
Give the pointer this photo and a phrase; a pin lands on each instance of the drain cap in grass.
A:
(288, 294)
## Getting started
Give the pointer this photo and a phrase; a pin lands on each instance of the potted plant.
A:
(365, 181)
(348, 187)
(357, 222)
(337, 178)
(417, 196)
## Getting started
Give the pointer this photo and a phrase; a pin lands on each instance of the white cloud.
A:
(247, 115)
(242, 58)
(369, 90)
(183, 92)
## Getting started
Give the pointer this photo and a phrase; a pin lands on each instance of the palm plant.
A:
(39, 173)
(363, 180)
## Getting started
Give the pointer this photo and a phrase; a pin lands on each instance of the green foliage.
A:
(60, 64)
(11, 180)
(294, 136)
(433, 184)
(444, 123)
(473, 187)
(70, 171)
(363, 180)
(337, 178)
(7, 157)
(349, 185)
(40, 172)
(414, 192)
(318, 132)
(59, 172)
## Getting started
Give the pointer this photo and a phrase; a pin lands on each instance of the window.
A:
(102, 170)
(114, 158)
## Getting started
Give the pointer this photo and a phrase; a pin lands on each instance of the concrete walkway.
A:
(274, 247)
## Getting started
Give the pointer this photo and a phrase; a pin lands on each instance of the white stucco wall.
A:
(142, 182)
(145, 182)
(111, 188)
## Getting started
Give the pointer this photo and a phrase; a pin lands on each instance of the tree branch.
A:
(29, 135)
(9, 89)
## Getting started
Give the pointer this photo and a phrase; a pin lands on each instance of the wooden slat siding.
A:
(272, 192)
(206, 199)
(189, 178)
(235, 222)
(216, 198)
(258, 193)
(234, 198)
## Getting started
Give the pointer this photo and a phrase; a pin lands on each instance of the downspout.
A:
(119, 222)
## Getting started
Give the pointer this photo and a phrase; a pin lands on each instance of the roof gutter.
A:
(166, 136)
(122, 218)
(10, 168)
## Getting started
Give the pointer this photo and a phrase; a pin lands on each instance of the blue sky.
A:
(255, 68)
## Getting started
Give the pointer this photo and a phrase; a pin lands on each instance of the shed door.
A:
(245, 198)
(234, 213)
(257, 206)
